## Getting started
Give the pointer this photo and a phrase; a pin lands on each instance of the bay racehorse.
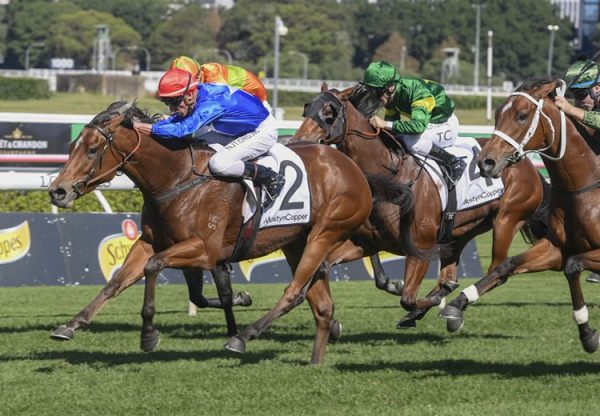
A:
(332, 119)
(191, 220)
(528, 121)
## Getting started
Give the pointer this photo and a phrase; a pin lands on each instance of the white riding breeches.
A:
(441, 134)
(229, 161)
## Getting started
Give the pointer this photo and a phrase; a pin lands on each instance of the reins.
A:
(520, 153)
(80, 187)
(336, 134)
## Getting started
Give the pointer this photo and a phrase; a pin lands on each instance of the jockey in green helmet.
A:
(583, 80)
(417, 111)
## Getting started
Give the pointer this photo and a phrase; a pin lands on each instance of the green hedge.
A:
(23, 88)
(39, 201)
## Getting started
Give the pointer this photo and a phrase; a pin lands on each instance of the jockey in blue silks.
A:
(219, 114)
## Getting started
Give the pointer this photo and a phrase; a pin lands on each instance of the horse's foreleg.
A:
(382, 281)
(189, 254)
(321, 304)
(446, 283)
(503, 233)
(415, 270)
(573, 267)
(222, 277)
(130, 273)
(542, 256)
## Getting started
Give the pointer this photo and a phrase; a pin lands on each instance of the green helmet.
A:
(588, 78)
(380, 74)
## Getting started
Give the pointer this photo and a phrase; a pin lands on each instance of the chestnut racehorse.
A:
(191, 220)
(331, 118)
(528, 121)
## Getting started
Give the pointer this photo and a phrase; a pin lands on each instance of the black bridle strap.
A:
(577, 191)
(334, 131)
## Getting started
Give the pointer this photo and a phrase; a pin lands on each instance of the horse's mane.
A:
(365, 100)
(116, 108)
(534, 83)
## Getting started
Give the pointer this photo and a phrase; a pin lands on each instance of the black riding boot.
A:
(271, 181)
(453, 166)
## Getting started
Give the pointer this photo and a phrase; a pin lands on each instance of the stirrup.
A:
(272, 190)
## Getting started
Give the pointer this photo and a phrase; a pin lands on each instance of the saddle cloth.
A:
(472, 189)
(293, 205)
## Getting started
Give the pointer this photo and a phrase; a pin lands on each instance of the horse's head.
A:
(95, 157)
(525, 123)
(327, 117)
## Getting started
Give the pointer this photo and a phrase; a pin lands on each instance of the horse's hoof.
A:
(406, 323)
(63, 333)
(451, 312)
(590, 342)
(236, 344)
(453, 325)
(335, 330)
(150, 340)
(244, 298)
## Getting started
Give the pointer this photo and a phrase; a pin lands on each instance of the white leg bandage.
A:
(471, 293)
(581, 316)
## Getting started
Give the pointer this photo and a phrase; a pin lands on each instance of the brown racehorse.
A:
(191, 220)
(528, 121)
(331, 118)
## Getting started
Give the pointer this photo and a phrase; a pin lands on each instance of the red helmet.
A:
(175, 83)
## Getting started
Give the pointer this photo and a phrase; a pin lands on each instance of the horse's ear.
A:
(549, 89)
(324, 87)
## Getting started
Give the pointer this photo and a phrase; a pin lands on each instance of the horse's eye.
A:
(91, 153)
(521, 116)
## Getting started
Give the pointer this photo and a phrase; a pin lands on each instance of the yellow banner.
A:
(112, 252)
(15, 243)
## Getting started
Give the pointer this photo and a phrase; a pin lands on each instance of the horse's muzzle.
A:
(61, 198)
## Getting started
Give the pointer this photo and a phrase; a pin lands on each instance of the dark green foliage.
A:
(23, 88)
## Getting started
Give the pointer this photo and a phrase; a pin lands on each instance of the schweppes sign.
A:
(113, 249)
(247, 266)
(15, 243)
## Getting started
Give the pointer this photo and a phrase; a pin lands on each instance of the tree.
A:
(31, 22)
(142, 15)
(74, 34)
(190, 31)
(318, 29)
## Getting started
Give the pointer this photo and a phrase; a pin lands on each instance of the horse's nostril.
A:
(489, 162)
(57, 194)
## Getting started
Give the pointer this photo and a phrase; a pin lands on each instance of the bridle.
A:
(520, 153)
(337, 131)
(81, 186)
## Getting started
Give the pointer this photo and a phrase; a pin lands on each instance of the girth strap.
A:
(180, 188)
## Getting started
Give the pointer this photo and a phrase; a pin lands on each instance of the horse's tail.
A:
(386, 191)
(537, 226)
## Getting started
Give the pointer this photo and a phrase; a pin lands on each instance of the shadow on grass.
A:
(104, 359)
(451, 367)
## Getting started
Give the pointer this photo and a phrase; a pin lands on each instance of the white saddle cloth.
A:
(472, 189)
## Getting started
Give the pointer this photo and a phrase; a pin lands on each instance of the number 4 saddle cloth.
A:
(472, 189)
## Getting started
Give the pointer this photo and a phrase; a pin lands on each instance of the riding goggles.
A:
(172, 101)
(175, 101)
